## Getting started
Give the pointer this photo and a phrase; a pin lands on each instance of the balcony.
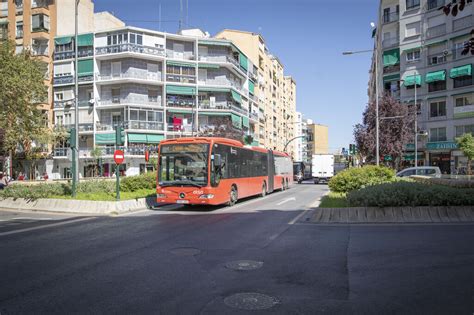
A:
(253, 116)
(435, 4)
(181, 78)
(131, 74)
(130, 48)
(436, 31)
(188, 128)
(437, 59)
(456, 53)
(225, 59)
(86, 127)
(390, 42)
(464, 111)
(228, 105)
(390, 17)
(131, 100)
(144, 125)
(187, 55)
(179, 101)
(67, 79)
(389, 69)
(60, 152)
(83, 52)
(462, 23)
(70, 103)
(40, 4)
(220, 82)
(40, 50)
(3, 34)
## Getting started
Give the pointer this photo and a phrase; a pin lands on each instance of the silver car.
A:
(433, 171)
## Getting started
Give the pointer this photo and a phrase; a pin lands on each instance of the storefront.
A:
(441, 155)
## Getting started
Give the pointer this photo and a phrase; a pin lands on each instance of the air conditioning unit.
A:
(446, 52)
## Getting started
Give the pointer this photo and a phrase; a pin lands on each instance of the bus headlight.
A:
(207, 196)
(160, 196)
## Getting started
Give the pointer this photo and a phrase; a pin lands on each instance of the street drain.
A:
(185, 251)
(244, 265)
(250, 301)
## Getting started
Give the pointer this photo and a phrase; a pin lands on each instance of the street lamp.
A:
(416, 121)
(377, 144)
(75, 155)
(288, 142)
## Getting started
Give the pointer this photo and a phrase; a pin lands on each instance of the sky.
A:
(308, 36)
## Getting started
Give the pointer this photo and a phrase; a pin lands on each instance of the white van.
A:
(433, 171)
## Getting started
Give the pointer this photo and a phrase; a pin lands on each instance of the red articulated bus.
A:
(214, 171)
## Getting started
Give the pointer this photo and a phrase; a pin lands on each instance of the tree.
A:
(248, 140)
(394, 134)
(466, 145)
(96, 154)
(222, 127)
(21, 90)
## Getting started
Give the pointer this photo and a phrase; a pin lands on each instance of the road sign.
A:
(118, 157)
(147, 155)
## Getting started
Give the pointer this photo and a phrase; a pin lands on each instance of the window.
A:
(61, 70)
(412, 29)
(39, 23)
(413, 56)
(116, 95)
(412, 4)
(462, 81)
(464, 100)
(438, 134)
(153, 96)
(460, 130)
(58, 96)
(18, 49)
(68, 119)
(438, 109)
(19, 29)
(59, 120)
(437, 86)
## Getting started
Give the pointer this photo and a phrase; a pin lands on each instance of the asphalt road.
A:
(181, 261)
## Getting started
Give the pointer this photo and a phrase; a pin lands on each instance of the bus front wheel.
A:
(233, 196)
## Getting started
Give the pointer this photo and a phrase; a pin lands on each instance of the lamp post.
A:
(288, 142)
(75, 153)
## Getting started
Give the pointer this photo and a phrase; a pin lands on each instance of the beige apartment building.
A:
(318, 139)
(275, 92)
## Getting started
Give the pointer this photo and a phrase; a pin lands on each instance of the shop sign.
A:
(447, 145)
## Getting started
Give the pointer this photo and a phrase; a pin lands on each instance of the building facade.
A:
(319, 138)
(417, 45)
(275, 92)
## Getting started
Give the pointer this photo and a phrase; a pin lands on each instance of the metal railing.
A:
(144, 125)
(175, 101)
(436, 31)
(389, 69)
(464, 22)
(390, 42)
(180, 55)
(180, 128)
(435, 4)
(69, 79)
(220, 82)
(456, 53)
(181, 78)
(228, 105)
(437, 59)
(390, 17)
(120, 48)
(70, 103)
(142, 75)
(63, 55)
(132, 100)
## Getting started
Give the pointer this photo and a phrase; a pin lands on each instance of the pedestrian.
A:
(3, 181)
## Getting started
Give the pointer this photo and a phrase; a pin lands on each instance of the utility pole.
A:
(75, 155)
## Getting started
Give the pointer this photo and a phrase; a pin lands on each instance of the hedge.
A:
(406, 194)
(356, 178)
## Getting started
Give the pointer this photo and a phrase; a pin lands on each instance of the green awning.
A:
(137, 138)
(411, 49)
(105, 138)
(436, 76)
(214, 43)
(85, 67)
(393, 77)
(179, 111)
(391, 57)
(63, 40)
(213, 89)
(245, 122)
(236, 96)
(251, 87)
(85, 40)
(462, 71)
(411, 79)
(154, 138)
(244, 63)
(208, 66)
(236, 121)
(180, 64)
(202, 112)
(180, 90)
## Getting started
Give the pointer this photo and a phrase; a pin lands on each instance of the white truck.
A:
(323, 167)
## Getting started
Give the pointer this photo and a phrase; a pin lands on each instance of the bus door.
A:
(271, 171)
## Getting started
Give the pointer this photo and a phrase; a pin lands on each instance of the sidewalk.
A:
(391, 215)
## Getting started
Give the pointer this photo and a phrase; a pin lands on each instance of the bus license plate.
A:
(182, 201)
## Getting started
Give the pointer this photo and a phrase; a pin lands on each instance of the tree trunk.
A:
(469, 171)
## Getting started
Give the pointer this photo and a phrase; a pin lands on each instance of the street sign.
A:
(147, 155)
(118, 157)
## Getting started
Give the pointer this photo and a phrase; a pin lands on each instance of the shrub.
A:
(96, 186)
(402, 194)
(134, 183)
(356, 178)
(35, 191)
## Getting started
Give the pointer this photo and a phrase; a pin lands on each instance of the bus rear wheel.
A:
(233, 196)
(264, 190)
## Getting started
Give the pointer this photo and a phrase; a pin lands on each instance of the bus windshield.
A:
(183, 165)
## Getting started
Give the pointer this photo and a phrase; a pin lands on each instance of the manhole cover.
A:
(250, 301)
(244, 265)
(185, 251)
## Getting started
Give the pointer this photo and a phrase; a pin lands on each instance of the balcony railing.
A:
(121, 48)
(131, 100)
(141, 75)
(175, 101)
(3, 34)
(60, 152)
(181, 78)
(187, 55)
(220, 82)
(69, 79)
(40, 4)
(462, 23)
(89, 52)
(436, 31)
(435, 4)
(390, 17)
(436, 59)
(82, 127)
(390, 42)
(228, 105)
(70, 103)
(40, 51)
(394, 68)
(180, 128)
(144, 125)
(253, 115)
(456, 53)
(226, 59)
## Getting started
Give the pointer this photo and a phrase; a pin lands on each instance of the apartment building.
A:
(275, 92)
(318, 140)
(417, 45)
(155, 85)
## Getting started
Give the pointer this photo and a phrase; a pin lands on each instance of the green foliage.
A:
(333, 200)
(466, 145)
(134, 183)
(403, 194)
(35, 191)
(96, 186)
(356, 178)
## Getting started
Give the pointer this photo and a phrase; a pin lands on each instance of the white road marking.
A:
(286, 200)
(45, 226)
(299, 216)
(31, 218)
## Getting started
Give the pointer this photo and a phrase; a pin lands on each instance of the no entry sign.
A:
(119, 156)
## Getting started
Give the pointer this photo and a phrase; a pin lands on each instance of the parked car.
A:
(420, 170)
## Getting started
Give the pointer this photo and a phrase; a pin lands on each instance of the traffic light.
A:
(351, 149)
(72, 137)
(119, 140)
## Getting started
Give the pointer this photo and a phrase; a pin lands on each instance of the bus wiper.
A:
(181, 182)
